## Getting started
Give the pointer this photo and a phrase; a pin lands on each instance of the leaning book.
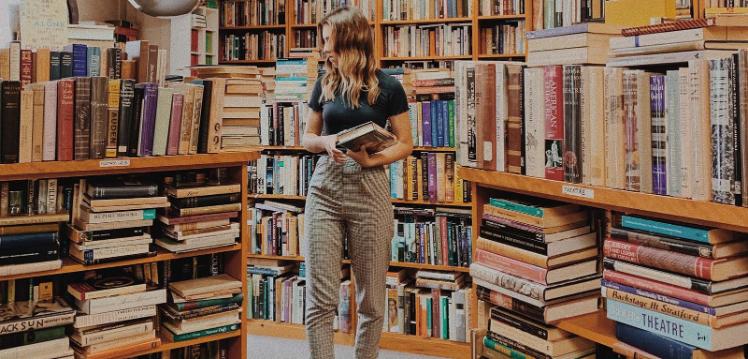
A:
(24, 316)
(373, 136)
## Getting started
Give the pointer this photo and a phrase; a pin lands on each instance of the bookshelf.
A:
(200, 48)
(235, 255)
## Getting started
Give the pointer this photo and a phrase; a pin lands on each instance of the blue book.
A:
(684, 331)
(394, 170)
(80, 59)
(93, 59)
(426, 119)
(655, 344)
(694, 233)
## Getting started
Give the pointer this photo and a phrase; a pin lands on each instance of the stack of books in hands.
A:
(676, 287)
(537, 261)
(202, 307)
(112, 219)
(200, 213)
(116, 312)
(35, 329)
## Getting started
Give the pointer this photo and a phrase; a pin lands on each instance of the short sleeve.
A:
(398, 100)
(314, 102)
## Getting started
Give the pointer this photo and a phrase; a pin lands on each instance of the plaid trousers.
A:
(345, 200)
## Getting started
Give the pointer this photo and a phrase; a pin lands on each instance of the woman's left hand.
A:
(362, 157)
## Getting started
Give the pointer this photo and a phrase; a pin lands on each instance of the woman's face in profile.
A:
(327, 49)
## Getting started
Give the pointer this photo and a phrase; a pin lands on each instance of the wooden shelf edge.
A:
(57, 169)
(290, 331)
(426, 21)
(679, 209)
(71, 266)
(595, 327)
(502, 17)
(392, 263)
(35, 219)
(166, 346)
(392, 200)
(283, 258)
(425, 346)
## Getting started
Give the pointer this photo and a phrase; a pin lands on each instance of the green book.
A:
(207, 303)
(429, 318)
(203, 333)
(451, 109)
(496, 346)
(444, 311)
(516, 207)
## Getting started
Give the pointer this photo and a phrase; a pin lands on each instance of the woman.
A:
(349, 192)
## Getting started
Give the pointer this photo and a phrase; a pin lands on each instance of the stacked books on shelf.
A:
(304, 43)
(435, 305)
(200, 212)
(276, 229)
(579, 44)
(425, 9)
(252, 12)
(267, 78)
(535, 264)
(34, 323)
(281, 174)
(111, 219)
(432, 113)
(202, 307)
(440, 236)
(30, 212)
(676, 288)
(451, 39)
(503, 38)
(428, 176)
(116, 312)
(295, 78)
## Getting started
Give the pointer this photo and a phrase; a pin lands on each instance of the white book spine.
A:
(17, 326)
(111, 304)
(50, 121)
(113, 334)
(15, 269)
(45, 350)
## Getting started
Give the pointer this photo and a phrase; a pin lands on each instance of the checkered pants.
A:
(345, 200)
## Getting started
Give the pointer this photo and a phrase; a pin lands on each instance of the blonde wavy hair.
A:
(352, 40)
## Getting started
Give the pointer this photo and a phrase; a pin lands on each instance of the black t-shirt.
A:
(337, 116)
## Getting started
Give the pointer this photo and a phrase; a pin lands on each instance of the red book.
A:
(27, 67)
(511, 266)
(658, 287)
(485, 99)
(175, 124)
(65, 99)
(554, 122)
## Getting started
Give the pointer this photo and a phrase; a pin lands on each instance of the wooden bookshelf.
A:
(289, 197)
(501, 17)
(281, 258)
(290, 331)
(253, 27)
(167, 346)
(427, 21)
(594, 326)
(392, 263)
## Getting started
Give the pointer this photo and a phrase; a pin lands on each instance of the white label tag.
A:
(114, 163)
(578, 191)
(487, 151)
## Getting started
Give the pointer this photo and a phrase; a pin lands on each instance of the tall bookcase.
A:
(200, 47)
(235, 256)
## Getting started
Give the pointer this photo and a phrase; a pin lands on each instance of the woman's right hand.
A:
(334, 153)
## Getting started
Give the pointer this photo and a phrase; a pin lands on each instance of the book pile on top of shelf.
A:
(30, 212)
(202, 307)
(295, 78)
(202, 204)
(111, 219)
(440, 236)
(536, 264)
(435, 305)
(276, 228)
(674, 287)
(34, 322)
(116, 311)
(585, 43)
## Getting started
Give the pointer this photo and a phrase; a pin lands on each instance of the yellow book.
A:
(459, 198)
(113, 95)
(419, 178)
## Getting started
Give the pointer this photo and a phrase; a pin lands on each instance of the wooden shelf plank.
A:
(393, 264)
(679, 209)
(426, 21)
(35, 219)
(428, 58)
(283, 258)
(254, 27)
(247, 62)
(291, 331)
(71, 266)
(301, 148)
(499, 56)
(278, 196)
(57, 169)
(500, 17)
(430, 204)
(166, 346)
(304, 26)
(425, 346)
(594, 326)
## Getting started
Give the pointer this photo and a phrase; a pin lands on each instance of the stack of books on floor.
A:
(440, 236)
(536, 260)
(202, 206)
(674, 287)
(112, 219)
(116, 312)
(286, 174)
(435, 305)
(276, 229)
(202, 307)
(27, 245)
(585, 43)
(33, 324)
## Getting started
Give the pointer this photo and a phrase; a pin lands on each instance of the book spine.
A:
(126, 116)
(50, 121)
(512, 240)
(114, 88)
(38, 350)
(572, 122)
(66, 64)
(734, 134)
(103, 305)
(652, 257)
(525, 326)
(98, 117)
(82, 124)
(150, 99)
(10, 112)
(682, 330)
(471, 120)
(80, 60)
(26, 324)
(103, 217)
(27, 67)
(673, 150)
(697, 284)
(630, 107)
(30, 240)
(98, 192)
(115, 316)
(656, 287)
(644, 239)
(496, 221)
(511, 266)
(54, 65)
(509, 282)
(554, 122)
(204, 333)
(451, 123)
(664, 299)
(666, 229)
(175, 124)
(504, 349)
(213, 200)
(659, 134)
(656, 306)
(508, 341)
(517, 207)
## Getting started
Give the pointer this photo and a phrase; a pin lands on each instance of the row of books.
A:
(425, 9)
(676, 288)
(283, 123)
(441, 236)
(503, 7)
(33, 197)
(311, 12)
(428, 176)
(453, 39)
(535, 264)
(563, 13)
(276, 229)
(432, 122)
(305, 39)
(434, 305)
(265, 45)
(505, 38)
(238, 13)
(281, 174)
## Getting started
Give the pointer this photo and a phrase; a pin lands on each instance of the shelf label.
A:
(575, 191)
(114, 163)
